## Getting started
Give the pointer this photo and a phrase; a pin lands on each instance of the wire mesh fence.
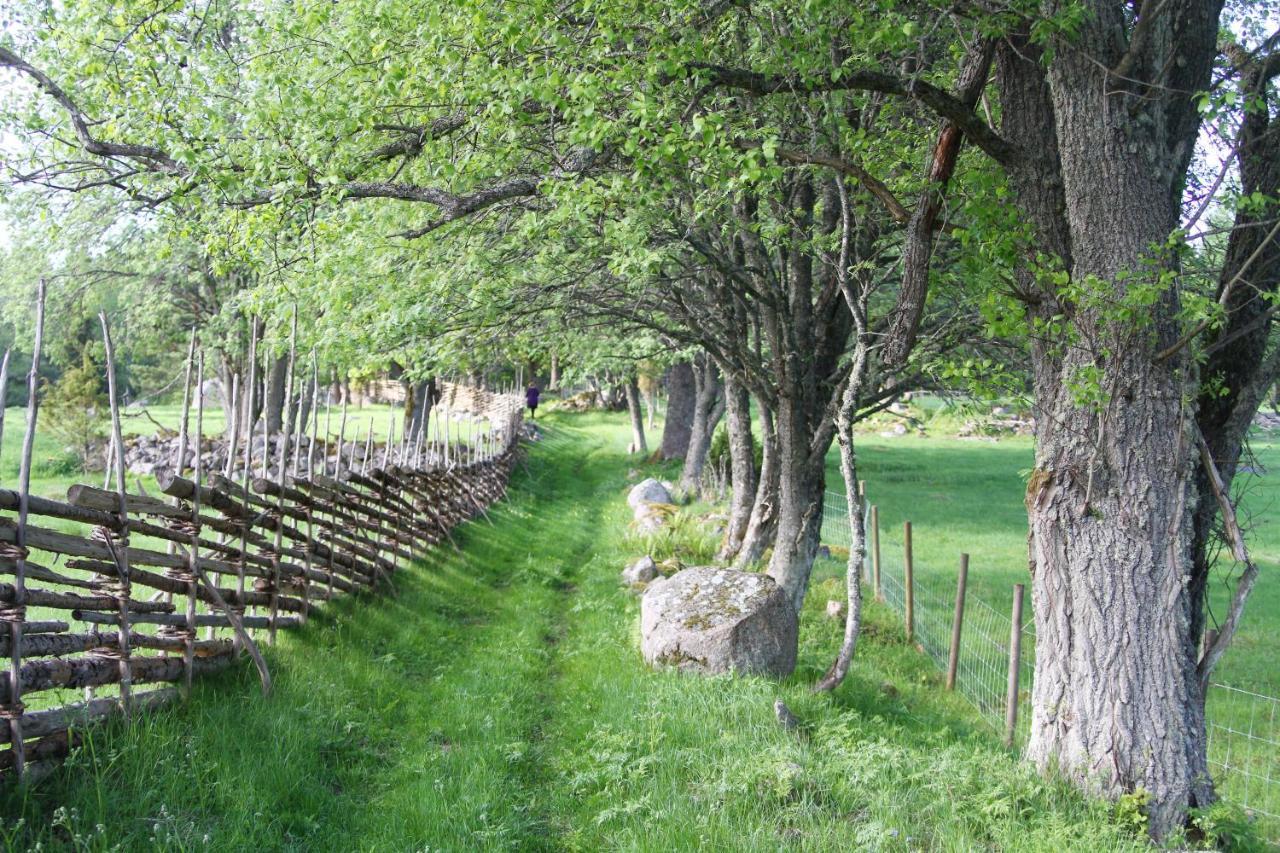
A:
(1243, 726)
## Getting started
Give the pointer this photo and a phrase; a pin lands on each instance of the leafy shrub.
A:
(718, 455)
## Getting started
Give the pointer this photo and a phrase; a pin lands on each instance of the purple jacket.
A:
(531, 396)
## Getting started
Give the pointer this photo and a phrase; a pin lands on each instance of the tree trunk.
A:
(554, 384)
(857, 534)
(419, 399)
(638, 444)
(306, 402)
(763, 523)
(1117, 706)
(742, 463)
(801, 483)
(273, 402)
(679, 421)
(708, 408)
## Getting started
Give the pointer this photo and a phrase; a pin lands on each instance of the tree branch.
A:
(943, 103)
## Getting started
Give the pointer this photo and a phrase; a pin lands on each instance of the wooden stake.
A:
(180, 461)
(119, 544)
(315, 416)
(16, 614)
(909, 583)
(342, 437)
(281, 477)
(328, 416)
(233, 422)
(1015, 661)
(252, 383)
(4, 395)
(193, 546)
(957, 622)
(368, 449)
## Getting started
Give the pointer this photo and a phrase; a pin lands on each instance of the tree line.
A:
(803, 209)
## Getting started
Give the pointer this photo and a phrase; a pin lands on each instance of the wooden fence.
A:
(111, 588)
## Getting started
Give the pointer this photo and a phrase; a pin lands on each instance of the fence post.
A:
(909, 583)
(957, 621)
(1015, 658)
(875, 551)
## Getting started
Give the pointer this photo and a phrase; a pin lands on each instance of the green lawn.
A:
(966, 496)
(498, 701)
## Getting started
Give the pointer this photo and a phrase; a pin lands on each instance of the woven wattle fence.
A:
(114, 592)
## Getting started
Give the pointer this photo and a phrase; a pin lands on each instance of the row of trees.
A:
(808, 206)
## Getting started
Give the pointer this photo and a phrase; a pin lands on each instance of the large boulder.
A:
(649, 491)
(719, 620)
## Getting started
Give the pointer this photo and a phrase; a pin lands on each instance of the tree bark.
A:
(273, 401)
(680, 403)
(708, 409)
(419, 399)
(763, 522)
(1117, 706)
(637, 416)
(801, 484)
(742, 463)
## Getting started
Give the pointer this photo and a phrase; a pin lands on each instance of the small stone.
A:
(835, 609)
(641, 571)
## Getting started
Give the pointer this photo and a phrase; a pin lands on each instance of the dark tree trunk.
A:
(742, 464)
(1117, 705)
(306, 403)
(763, 522)
(273, 402)
(419, 400)
(708, 409)
(801, 483)
(680, 404)
(638, 444)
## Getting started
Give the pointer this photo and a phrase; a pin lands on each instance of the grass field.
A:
(497, 701)
(966, 496)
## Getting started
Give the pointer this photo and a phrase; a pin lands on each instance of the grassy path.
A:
(497, 701)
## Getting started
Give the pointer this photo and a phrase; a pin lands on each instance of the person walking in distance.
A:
(531, 400)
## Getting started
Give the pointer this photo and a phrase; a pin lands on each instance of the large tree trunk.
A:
(742, 464)
(708, 408)
(679, 421)
(1117, 704)
(638, 444)
(763, 522)
(273, 402)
